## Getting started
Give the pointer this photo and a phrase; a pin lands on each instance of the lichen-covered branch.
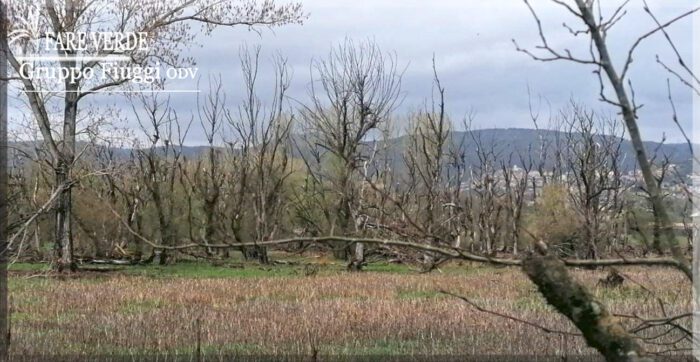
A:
(600, 328)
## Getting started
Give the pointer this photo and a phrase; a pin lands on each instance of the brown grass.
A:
(363, 313)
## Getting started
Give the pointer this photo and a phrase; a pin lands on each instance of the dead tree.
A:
(487, 192)
(594, 183)
(168, 25)
(264, 132)
(204, 176)
(597, 26)
(28, 179)
(160, 164)
(353, 91)
(516, 182)
(235, 187)
(602, 332)
(429, 141)
(123, 190)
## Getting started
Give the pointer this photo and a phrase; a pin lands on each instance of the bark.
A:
(342, 250)
(601, 329)
(656, 234)
(63, 228)
(258, 253)
(66, 156)
(358, 259)
(630, 118)
(4, 320)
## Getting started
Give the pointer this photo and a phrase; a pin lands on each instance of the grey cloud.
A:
(471, 41)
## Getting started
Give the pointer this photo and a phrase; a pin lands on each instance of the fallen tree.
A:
(600, 328)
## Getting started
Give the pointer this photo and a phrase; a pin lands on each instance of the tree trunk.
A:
(601, 329)
(656, 234)
(262, 256)
(358, 258)
(64, 227)
(4, 320)
(341, 249)
(258, 253)
(630, 118)
(159, 257)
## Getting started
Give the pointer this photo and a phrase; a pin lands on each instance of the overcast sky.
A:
(476, 59)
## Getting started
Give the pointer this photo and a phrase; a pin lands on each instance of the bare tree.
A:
(122, 189)
(426, 157)
(594, 182)
(597, 27)
(602, 332)
(204, 177)
(352, 93)
(516, 182)
(264, 133)
(168, 27)
(160, 164)
(487, 193)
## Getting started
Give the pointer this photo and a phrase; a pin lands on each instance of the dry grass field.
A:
(388, 310)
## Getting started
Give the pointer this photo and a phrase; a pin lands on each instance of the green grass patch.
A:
(418, 294)
(622, 293)
(29, 267)
(20, 316)
(531, 301)
(228, 349)
(206, 270)
(234, 268)
(453, 268)
(386, 347)
(384, 267)
(19, 285)
(140, 306)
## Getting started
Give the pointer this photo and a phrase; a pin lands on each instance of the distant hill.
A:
(511, 142)
(507, 144)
